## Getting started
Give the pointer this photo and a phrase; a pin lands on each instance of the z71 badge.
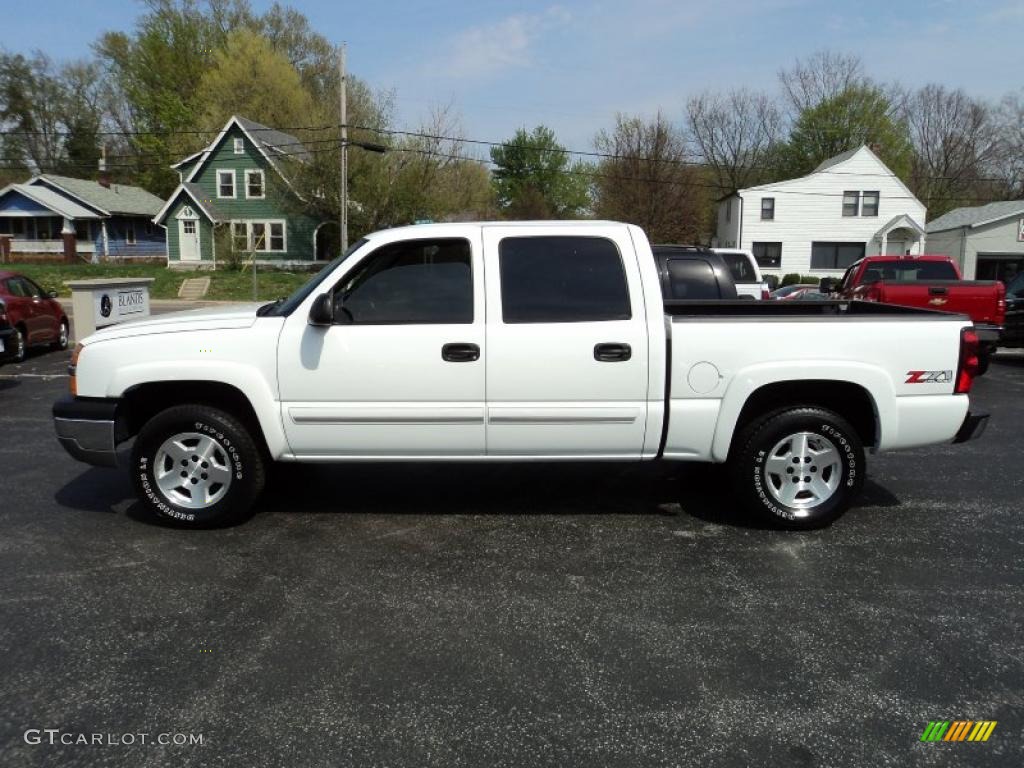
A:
(929, 377)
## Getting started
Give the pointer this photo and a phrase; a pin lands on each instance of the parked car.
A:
(691, 273)
(35, 316)
(931, 282)
(745, 272)
(6, 334)
(810, 294)
(516, 341)
(788, 291)
(1013, 327)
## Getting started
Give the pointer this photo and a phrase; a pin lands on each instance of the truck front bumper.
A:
(972, 428)
(88, 429)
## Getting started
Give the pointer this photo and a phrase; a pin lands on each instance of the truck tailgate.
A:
(978, 299)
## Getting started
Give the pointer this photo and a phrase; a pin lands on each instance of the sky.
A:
(573, 65)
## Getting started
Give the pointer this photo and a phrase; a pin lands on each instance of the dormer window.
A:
(239, 147)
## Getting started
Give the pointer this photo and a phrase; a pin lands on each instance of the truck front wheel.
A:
(196, 466)
(799, 467)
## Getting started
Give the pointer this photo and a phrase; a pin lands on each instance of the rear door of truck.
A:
(567, 342)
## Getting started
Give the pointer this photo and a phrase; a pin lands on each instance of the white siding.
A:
(996, 239)
(948, 243)
(810, 209)
(728, 225)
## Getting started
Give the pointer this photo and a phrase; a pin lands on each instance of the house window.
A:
(835, 255)
(276, 236)
(254, 184)
(129, 232)
(239, 147)
(851, 203)
(767, 208)
(870, 206)
(17, 227)
(262, 236)
(768, 254)
(189, 227)
(225, 183)
(239, 236)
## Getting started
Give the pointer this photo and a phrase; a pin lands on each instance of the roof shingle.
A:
(117, 198)
(968, 217)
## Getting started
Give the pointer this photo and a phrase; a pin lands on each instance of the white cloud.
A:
(506, 44)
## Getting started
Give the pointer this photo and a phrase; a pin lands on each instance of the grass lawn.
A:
(224, 285)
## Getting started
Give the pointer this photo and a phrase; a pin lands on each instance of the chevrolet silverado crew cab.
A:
(518, 342)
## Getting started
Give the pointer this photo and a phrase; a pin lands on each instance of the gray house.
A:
(987, 241)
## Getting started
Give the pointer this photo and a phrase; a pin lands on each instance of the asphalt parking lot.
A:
(455, 615)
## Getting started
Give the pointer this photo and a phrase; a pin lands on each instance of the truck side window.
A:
(562, 280)
(692, 279)
(413, 282)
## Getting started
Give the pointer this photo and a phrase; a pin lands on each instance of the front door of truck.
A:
(567, 343)
(400, 372)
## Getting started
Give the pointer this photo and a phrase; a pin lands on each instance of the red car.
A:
(35, 316)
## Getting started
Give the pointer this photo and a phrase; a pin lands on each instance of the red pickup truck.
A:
(931, 282)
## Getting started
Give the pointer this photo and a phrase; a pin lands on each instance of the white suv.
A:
(745, 272)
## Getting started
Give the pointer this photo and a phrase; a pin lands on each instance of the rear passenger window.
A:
(562, 280)
(692, 279)
(414, 282)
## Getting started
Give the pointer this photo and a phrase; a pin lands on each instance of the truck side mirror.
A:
(827, 285)
(322, 311)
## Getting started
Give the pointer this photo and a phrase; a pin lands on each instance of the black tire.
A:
(62, 339)
(237, 452)
(19, 348)
(759, 488)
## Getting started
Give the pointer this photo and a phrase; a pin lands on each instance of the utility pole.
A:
(344, 148)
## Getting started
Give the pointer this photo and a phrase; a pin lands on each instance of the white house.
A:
(850, 206)
(987, 241)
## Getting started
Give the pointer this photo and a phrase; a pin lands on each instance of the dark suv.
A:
(1013, 326)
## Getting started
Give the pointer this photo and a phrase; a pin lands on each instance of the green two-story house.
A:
(235, 194)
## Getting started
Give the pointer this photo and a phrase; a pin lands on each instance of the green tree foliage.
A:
(858, 115)
(536, 179)
(248, 77)
(52, 113)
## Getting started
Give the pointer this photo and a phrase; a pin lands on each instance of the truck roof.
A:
(426, 228)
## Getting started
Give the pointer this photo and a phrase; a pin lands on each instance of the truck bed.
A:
(786, 309)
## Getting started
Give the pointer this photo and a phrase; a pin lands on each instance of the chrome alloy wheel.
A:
(63, 340)
(803, 470)
(192, 470)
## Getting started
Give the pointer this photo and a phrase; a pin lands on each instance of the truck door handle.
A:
(612, 352)
(460, 353)
(937, 291)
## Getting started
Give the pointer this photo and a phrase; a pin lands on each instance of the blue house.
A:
(58, 218)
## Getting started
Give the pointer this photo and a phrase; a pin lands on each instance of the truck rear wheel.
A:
(196, 467)
(799, 468)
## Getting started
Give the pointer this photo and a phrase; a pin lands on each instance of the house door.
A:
(188, 240)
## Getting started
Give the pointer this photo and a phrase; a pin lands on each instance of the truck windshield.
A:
(905, 269)
(285, 307)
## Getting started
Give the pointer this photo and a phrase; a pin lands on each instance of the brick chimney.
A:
(103, 178)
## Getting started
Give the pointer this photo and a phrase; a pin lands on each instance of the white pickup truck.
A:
(518, 341)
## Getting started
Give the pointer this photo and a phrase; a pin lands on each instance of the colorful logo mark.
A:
(958, 730)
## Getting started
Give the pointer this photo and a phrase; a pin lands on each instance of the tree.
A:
(535, 177)
(820, 77)
(736, 134)
(1008, 165)
(52, 114)
(248, 77)
(955, 142)
(858, 115)
(648, 180)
